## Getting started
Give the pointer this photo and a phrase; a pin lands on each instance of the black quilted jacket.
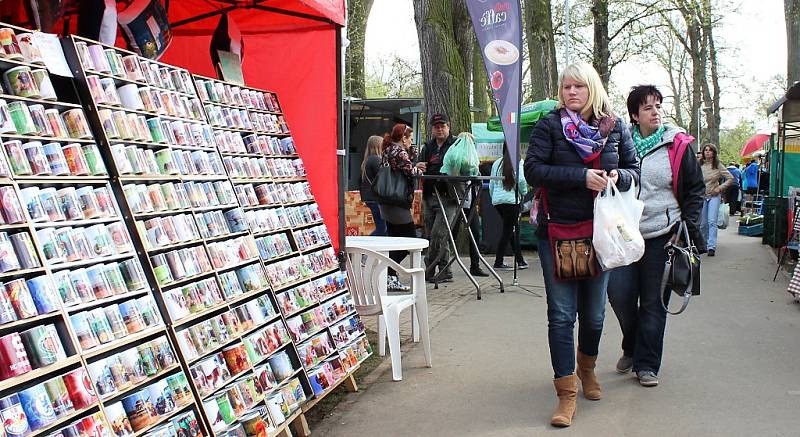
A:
(552, 163)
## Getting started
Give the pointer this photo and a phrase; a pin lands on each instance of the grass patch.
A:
(324, 407)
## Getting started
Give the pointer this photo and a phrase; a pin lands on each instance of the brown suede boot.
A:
(585, 369)
(567, 392)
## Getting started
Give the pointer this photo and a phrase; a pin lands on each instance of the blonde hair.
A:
(373, 148)
(586, 74)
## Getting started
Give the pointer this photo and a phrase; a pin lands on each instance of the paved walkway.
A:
(731, 365)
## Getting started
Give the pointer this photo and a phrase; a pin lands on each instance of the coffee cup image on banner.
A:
(501, 52)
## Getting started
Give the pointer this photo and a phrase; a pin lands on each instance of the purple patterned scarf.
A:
(588, 139)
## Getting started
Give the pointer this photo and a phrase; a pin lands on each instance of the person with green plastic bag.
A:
(430, 161)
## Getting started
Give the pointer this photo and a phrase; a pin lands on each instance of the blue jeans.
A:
(567, 301)
(380, 223)
(708, 221)
(634, 293)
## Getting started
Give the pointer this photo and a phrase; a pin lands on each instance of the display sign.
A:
(498, 26)
(52, 53)
(230, 67)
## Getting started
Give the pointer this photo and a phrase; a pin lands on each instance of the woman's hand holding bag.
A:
(616, 238)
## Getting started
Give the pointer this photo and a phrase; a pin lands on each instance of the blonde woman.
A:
(369, 169)
(573, 153)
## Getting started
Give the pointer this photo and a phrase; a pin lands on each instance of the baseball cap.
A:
(439, 118)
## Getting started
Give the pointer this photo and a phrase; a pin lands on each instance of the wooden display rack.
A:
(175, 327)
(291, 231)
(76, 358)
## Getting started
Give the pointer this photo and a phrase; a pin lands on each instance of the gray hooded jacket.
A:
(661, 208)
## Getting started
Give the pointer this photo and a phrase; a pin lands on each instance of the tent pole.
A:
(341, 150)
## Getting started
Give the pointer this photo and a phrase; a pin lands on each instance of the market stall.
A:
(166, 267)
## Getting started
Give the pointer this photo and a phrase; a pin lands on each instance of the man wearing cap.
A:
(430, 161)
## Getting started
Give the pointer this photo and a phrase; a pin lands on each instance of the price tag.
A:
(52, 53)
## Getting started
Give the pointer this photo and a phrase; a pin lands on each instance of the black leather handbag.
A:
(682, 269)
(391, 187)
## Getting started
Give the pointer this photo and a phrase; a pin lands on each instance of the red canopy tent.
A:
(291, 47)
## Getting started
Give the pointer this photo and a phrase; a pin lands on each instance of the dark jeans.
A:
(509, 214)
(568, 301)
(403, 230)
(474, 226)
(380, 224)
(634, 294)
(732, 196)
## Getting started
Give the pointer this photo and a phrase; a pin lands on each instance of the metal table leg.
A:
(467, 221)
(453, 242)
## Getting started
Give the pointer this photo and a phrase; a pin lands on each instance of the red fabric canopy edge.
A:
(295, 58)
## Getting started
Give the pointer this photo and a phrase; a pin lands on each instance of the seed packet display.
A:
(17, 159)
(118, 420)
(6, 123)
(313, 351)
(210, 374)
(59, 398)
(139, 409)
(76, 161)
(9, 260)
(322, 378)
(337, 308)
(37, 407)
(274, 246)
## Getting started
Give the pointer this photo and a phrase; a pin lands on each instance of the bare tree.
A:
(711, 94)
(357, 15)
(792, 16)
(443, 73)
(675, 61)
(541, 49)
(600, 52)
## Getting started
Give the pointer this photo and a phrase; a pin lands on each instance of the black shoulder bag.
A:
(682, 269)
(391, 187)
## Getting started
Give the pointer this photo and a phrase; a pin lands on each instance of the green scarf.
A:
(645, 145)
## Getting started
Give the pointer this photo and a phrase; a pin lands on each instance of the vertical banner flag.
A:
(498, 25)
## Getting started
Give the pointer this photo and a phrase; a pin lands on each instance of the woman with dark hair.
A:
(398, 153)
(672, 191)
(713, 173)
(369, 169)
(506, 201)
(574, 151)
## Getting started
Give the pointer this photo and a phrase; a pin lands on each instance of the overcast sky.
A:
(756, 31)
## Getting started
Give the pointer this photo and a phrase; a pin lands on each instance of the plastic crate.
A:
(527, 234)
(775, 221)
(751, 230)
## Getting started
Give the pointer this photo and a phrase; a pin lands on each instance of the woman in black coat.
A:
(573, 152)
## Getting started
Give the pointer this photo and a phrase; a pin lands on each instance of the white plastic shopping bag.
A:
(723, 216)
(617, 240)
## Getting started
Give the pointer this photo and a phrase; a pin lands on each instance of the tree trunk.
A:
(692, 42)
(357, 15)
(712, 97)
(600, 51)
(792, 13)
(480, 82)
(443, 75)
(541, 49)
(464, 35)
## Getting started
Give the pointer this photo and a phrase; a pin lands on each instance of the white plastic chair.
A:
(366, 271)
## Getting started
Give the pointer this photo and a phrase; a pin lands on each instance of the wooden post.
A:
(299, 426)
(350, 384)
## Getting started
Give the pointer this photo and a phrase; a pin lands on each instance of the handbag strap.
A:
(665, 292)
(671, 247)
